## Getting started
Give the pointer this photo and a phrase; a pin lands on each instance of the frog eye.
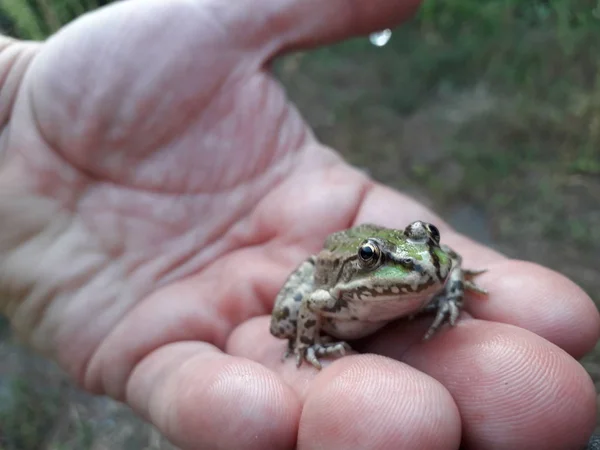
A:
(369, 252)
(435, 233)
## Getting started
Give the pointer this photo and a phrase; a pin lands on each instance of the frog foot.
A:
(448, 310)
(470, 284)
(311, 353)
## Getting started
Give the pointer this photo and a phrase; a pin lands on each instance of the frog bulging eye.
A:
(369, 252)
(435, 233)
(417, 231)
(422, 231)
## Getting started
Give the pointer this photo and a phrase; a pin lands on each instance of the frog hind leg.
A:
(284, 316)
(310, 345)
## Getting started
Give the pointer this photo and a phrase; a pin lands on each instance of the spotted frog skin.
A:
(364, 278)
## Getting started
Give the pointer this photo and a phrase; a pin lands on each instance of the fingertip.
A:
(212, 400)
(376, 402)
(541, 300)
(514, 389)
(248, 403)
(294, 24)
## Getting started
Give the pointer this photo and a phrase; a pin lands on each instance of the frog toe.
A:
(313, 352)
(472, 286)
(308, 354)
(447, 311)
(311, 357)
(333, 349)
(473, 272)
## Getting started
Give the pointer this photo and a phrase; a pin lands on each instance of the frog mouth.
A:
(375, 290)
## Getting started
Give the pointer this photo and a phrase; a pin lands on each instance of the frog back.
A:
(347, 241)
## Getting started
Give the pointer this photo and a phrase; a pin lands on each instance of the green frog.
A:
(364, 278)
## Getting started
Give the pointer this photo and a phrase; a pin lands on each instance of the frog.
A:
(363, 278)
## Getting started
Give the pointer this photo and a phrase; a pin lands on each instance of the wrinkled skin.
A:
(156, 189)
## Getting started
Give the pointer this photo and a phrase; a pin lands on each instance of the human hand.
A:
(156, 189)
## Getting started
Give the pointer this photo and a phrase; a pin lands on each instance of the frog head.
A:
(389, 262)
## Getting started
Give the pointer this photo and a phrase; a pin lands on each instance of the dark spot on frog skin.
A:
(417, 268)
(310, 323)
(285, 313)
(298, 297)
(330, 321)
(457, 286)
(353, 318)
(340, 303)
(305, 340)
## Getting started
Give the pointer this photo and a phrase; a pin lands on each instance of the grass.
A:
(30, 415)
(37, 19)
(540, 64)
(27, 417)
(4, 327)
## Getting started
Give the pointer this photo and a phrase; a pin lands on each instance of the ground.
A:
(488, 112)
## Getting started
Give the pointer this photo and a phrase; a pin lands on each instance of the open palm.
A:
(156, 189)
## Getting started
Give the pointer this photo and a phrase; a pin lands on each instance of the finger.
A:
(365, 401)
(294, 24)
(200, 398)
(513, 388)
(372, 402)
(538, 299)
(520, 293)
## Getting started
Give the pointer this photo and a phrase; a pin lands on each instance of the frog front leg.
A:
(449, 301)
(309, 343)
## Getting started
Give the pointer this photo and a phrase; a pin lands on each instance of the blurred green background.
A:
(488, 111)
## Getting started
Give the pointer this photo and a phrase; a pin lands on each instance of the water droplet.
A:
(380, 38)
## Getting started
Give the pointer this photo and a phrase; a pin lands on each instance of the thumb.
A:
(284, 25)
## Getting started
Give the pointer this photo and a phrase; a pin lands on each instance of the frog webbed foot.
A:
(311, 353)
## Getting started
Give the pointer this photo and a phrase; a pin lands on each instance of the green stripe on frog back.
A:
(349, 240)
(442, 256)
